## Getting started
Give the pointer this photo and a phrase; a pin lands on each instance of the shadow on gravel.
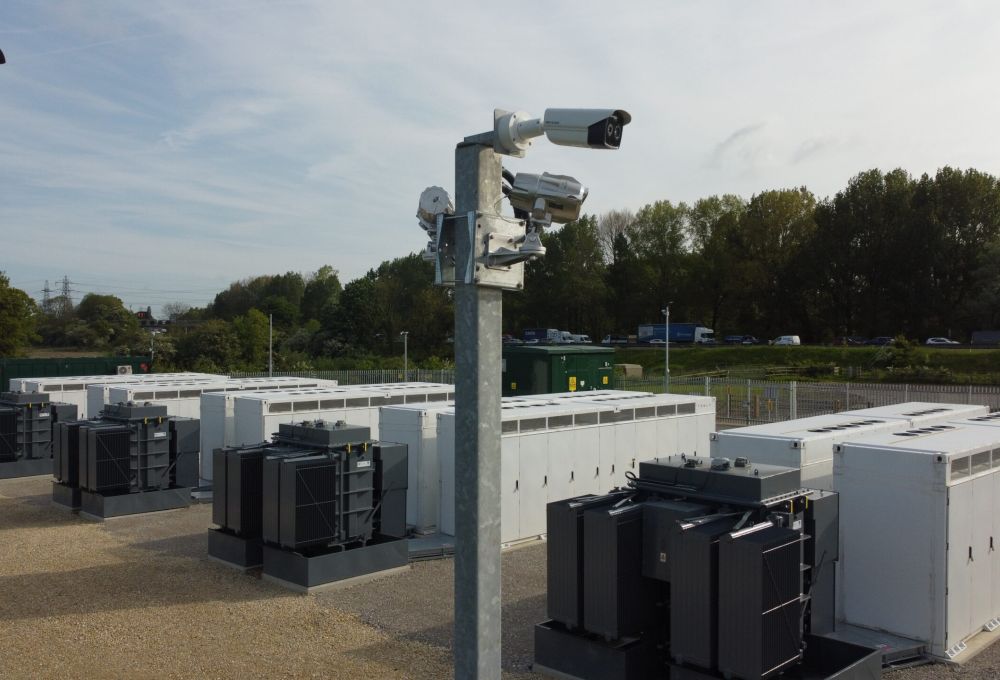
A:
(193, 545)
(33, 512)
(133, 584)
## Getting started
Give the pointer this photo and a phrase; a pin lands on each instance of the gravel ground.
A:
(138, 597)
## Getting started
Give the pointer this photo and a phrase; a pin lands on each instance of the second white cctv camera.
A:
(586, 128)
(560, 197)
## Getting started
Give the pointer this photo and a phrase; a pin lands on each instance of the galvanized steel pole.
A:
(478, 316)
(406, 356)
(666, 347)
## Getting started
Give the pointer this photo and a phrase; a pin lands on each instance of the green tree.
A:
(17, 318)
(566, 288)
(983, 308)
(714, 283)
(102, 321)
(659, 237)
(251, 332)
(360, 314)
(321, 294)
(211, 345)
(773, 231)
(164, 351)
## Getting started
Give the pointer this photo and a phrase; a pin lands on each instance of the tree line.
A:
(890, 254)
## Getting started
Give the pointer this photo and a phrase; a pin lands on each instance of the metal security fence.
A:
(751, 402)
(738, 401)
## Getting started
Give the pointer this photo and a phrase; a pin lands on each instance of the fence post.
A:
(749, 405)
(970, 395)
(708, 387)
(847, 395)
(906, 392)
(793, 400)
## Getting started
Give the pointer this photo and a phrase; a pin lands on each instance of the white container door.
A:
(510, 494)
(666, 436)
(687, 436)
(587, 463)
(607, 439)
(229, 416)
(428, 473)
(373, 422)
(646, 444)
(705, 428)
(561, 466)
(446, 459)
(532, 477)
(960, 561)
(625, 452)
(982, 565)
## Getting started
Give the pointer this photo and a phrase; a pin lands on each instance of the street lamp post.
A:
(406, 358)
(666, 347)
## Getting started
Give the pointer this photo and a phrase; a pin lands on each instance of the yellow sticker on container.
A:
(572, 383)
(513, 386)
(604, 380)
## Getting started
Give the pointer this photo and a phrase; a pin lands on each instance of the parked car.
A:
(733, 339)
(941, 341)
(657, 341)
(787, 340)
(749, 340)
(880, 340)
(849, 340)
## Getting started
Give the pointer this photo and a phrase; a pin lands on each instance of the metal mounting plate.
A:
(492, 233)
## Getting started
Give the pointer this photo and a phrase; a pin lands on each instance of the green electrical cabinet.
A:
(539, 369)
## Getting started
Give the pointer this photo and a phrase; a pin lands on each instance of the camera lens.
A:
(614, 130)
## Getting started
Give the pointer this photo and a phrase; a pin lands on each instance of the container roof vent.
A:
(927, 411)
(930, 429)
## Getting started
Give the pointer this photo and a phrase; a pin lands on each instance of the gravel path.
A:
(138, 597)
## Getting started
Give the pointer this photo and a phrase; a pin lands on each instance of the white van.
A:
(787, 340)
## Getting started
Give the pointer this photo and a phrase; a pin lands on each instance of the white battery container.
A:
(920, 533)
(217, 413)
(257, 416)
(184, 399)
(804, 443)
(922, 412)
(416, 425)
(73, 389)
(683, 423)
(570, 447)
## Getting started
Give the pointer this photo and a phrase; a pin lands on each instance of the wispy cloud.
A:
(743, 146)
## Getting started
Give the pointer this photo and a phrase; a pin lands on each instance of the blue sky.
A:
(160, 150)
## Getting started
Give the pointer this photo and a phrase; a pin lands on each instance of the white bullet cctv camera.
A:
(586, 128)
(558, 196)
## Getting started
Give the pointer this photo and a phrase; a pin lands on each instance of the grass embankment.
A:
(919, 364)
